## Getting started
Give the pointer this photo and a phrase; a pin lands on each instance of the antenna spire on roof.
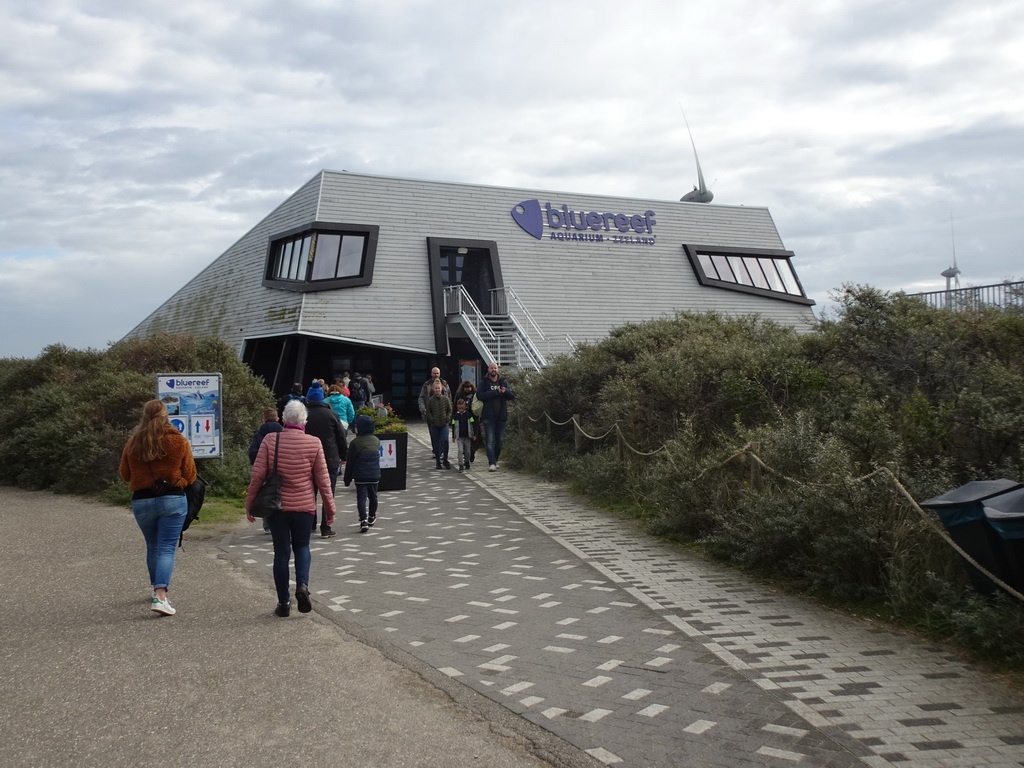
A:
(700, 194)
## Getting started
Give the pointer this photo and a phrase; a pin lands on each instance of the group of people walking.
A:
(468, 418)
(308, 447)
(310, 464)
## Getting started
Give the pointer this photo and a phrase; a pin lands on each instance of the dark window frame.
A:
(695, 252)
(370, 233)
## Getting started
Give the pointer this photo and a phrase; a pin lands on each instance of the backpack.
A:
(195, 495)
(361, 393)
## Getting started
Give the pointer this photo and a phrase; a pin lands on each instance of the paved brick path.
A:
(632, 651)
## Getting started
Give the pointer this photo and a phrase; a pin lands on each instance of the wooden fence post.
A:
(577, 438)
(755, 468)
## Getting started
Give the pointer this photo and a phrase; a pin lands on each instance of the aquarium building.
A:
(392, 276)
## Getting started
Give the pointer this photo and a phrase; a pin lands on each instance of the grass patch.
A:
(220, 515)
(221, 509)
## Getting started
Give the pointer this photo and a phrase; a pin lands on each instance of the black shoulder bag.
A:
(268, 497)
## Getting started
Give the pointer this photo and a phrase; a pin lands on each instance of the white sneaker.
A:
(162, 606)
(492, 468)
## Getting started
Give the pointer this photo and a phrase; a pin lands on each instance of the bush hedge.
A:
(935, 396)
(65, 415)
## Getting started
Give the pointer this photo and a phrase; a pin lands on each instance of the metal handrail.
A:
(457, 301)
(527, 345)
(1001, 295)
(524, 350)
(507, 291)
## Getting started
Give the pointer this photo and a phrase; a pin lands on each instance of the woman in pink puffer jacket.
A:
(301, 462)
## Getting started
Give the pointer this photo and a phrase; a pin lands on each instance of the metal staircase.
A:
(509, 337)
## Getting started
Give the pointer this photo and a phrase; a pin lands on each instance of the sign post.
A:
(194, 407)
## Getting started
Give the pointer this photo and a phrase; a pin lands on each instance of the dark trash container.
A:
(1005, 513)
(962, 512)
(394, 452)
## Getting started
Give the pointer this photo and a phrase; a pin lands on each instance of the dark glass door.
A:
(470, 268)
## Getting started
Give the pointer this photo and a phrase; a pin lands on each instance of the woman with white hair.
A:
(300, 461)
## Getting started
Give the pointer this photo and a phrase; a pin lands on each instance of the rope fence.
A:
(757, 465)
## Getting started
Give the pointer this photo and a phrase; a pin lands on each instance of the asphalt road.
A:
(89, 676)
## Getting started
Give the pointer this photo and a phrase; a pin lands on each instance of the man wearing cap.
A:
(324, 424)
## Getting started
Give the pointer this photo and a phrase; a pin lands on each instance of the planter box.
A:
(394, 453)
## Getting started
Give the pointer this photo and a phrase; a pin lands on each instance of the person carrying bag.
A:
(300, 465)
(268, 497)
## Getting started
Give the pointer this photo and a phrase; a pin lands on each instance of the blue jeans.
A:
(439, 442)
(290, 531)
(161, 519)
(494, 434)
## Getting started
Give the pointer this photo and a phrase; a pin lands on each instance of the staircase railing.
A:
(526, 354)
(457, 301)
(508, 301)
(500, 302)
(519, 345)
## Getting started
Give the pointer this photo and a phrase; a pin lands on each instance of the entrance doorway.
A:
(474, 265)
(470, 268)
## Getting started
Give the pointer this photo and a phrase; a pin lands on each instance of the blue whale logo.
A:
(527, 215)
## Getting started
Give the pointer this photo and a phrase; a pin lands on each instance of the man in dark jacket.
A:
(494, 392)
(427, 390)
(295, 394)
(269, 426)
(357, 391)
(324, 423)
(363, 466)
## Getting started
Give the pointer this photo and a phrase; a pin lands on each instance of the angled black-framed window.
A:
(321, 256)
(762, 272)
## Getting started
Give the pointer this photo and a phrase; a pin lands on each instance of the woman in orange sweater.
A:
(302, 464)
(157, 464)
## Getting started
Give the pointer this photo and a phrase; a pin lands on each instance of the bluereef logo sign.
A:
(583, 226)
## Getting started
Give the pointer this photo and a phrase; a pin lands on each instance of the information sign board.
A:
(193, 403)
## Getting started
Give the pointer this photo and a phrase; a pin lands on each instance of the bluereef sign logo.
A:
(583, 226)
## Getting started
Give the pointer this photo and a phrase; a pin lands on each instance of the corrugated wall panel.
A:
(227, 298)
(579, 288)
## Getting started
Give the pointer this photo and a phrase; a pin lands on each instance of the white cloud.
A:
(132, 135)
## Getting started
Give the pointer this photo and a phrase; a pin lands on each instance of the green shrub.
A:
(65, 416)
(936, 397)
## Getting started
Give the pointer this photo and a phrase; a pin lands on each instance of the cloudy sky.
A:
(139, 140)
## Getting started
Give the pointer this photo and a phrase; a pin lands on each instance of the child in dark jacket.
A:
(463, 433)
(363, 466)
(439, 418)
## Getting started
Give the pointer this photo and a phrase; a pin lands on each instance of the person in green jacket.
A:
(439, 415)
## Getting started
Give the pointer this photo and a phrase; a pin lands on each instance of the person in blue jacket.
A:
(341, 405)
(363, 466)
